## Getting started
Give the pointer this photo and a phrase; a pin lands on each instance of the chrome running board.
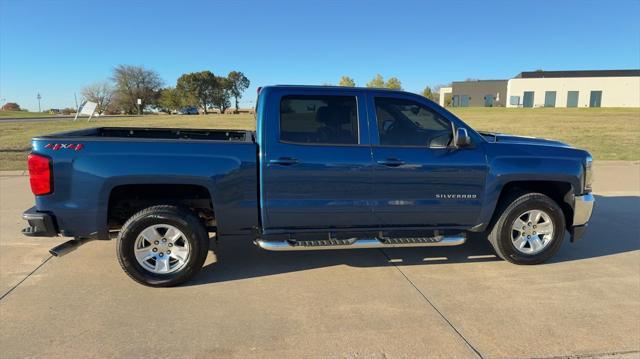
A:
(355, 243)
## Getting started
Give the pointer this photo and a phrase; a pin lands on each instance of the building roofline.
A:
(578, 73)
(471, 81)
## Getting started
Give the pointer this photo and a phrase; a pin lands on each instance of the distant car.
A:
(188, 111)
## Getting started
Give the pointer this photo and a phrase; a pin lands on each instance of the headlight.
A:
(588, 173)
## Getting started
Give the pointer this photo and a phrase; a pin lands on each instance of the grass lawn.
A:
(23, 114)
(609, 134)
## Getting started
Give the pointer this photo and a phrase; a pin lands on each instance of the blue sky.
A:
(57, 47)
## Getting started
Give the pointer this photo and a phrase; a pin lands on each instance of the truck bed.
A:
(160, 133)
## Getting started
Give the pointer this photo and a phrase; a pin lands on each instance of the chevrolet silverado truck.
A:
(326, 168)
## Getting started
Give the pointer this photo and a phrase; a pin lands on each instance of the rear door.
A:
(316, 160)
(419, 179)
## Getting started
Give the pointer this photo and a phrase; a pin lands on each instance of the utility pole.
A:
(39, 98)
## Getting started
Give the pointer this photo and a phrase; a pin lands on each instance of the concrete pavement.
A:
(420, 302)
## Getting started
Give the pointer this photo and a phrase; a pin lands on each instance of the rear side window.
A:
(408, 123)
(319, 119)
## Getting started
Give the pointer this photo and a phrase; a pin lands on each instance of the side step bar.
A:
(355, 243)
(68, 246)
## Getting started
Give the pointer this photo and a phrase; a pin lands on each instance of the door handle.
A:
(284, 161)
(391, 162)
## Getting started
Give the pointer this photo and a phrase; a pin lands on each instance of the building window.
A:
(527, 99)
(550, 99)
(514, 101)
(572, 98)
(595, 100)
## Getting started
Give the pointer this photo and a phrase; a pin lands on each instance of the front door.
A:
(550, 99)
(419, 179)
(316, 166)
(572, 98)
(595, 99)
(527, 99)
(488, 101)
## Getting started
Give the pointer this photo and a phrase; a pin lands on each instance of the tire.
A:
(153, 264)
(508, 237)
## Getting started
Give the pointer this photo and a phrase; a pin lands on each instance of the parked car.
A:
(191, 110)
(327, 168)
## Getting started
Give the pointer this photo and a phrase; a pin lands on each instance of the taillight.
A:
(40, 174)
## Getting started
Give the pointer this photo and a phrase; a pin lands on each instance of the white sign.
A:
(139, 101)
(89, 108)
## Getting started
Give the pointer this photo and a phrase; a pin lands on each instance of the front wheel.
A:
(162, 246)
(530, 229)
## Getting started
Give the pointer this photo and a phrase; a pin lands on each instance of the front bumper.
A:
(582, 209)
(41, 224)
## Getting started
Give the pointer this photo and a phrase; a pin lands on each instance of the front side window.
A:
(408, 123)
(319, 119)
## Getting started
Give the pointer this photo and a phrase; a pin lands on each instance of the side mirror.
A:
(462, 138)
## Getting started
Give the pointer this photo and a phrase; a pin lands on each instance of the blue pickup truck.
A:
(327, 168)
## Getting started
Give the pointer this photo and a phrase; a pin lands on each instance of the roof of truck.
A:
(337, 87)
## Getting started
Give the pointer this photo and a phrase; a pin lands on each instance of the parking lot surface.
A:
(459, 302)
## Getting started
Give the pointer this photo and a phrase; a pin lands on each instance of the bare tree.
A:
(100, 93)
(133, 83)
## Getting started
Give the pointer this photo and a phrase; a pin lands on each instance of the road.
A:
(458, 302)
(58, 118)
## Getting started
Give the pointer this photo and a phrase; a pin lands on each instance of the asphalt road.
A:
(58, 118)
(398, 303)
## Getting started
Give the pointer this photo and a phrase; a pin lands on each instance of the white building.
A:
(592, 88)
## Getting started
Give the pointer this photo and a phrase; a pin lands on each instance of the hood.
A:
(504, 138)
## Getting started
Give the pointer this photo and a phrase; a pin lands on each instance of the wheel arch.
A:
(126, 199)
(559, 191)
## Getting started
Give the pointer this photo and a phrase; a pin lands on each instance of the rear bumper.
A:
(582, 210)
(41, 224)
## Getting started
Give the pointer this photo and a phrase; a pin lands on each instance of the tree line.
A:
(392, 83)
(128, 84)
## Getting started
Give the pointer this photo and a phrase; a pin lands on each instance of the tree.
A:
(199, 88)
(170, 100)
(222, 94)
(238, 82)
(100, 93)
(133, 83)
(393, 83)
(377, 82)
(11, 106)
(428, 93)
(347, 81)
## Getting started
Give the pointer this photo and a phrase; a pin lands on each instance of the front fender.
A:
(530, 164)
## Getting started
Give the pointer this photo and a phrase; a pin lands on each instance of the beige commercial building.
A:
(586, 88)
(593, 88)
(479, 93)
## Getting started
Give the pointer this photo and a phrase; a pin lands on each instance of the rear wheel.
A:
(530, 229)
(162, 246)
